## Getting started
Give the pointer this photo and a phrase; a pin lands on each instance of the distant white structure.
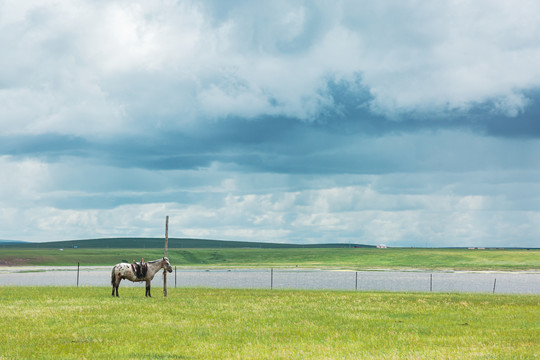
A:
(381, 246)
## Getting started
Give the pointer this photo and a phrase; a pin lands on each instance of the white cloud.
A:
(359, 214)
(23, 182)
(79, 65)
(446, 56)
(511, 105)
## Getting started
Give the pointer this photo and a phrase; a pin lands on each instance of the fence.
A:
(527, 283)
(422, 281)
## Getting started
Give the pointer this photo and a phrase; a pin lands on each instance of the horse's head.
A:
(167, 264)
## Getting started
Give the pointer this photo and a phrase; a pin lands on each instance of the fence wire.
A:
(307, 279)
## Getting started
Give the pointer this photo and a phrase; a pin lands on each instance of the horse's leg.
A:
(148, 288)
(113, 279)
(117, 285)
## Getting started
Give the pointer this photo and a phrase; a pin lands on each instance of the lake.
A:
(423, 281)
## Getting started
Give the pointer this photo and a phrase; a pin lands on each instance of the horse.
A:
(127, 271)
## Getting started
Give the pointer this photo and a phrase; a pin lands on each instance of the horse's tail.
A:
(113, 276)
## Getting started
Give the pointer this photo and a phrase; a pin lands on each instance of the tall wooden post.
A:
(166, 243)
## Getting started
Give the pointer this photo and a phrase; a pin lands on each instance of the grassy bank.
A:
(363, 258)
(79, 323)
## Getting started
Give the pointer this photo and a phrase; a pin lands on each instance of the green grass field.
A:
(356, 259)
(87, 323)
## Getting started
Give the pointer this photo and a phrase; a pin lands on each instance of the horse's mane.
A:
(154, 261)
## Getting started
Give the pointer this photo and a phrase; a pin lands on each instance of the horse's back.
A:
(122, 268)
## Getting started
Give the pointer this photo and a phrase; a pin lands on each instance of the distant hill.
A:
(174, 243)
(11, 242)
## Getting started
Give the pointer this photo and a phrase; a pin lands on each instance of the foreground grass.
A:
(86, 323)
(358, 259)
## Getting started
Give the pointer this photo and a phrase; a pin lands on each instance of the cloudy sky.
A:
(409, 123)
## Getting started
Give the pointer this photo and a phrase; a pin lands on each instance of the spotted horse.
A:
(128, 271)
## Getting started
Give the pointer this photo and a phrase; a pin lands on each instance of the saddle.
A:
(140, 269)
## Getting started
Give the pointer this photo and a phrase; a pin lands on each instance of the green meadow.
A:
(87, 323)
(346, 258)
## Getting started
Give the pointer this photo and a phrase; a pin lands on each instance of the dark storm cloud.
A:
(526, 124)
(342, 140)
(49, 146)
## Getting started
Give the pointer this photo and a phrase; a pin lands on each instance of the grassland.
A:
(86, 323)
(347, 258)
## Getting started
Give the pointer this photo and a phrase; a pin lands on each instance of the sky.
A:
(406, 123)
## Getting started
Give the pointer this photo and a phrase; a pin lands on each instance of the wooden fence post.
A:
(166, 244)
